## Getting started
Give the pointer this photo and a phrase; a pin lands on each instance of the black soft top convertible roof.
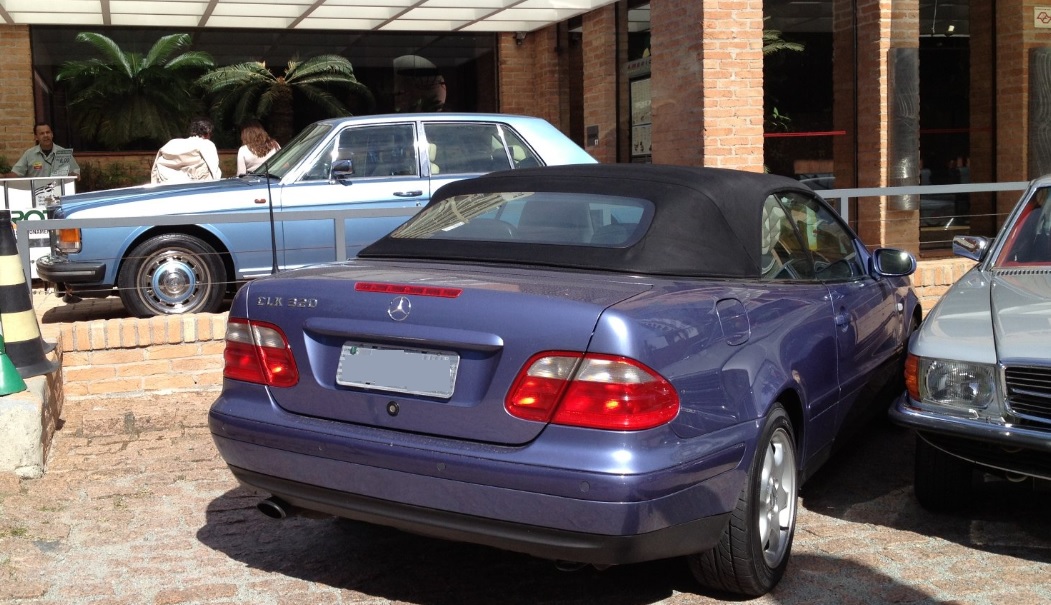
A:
(706, 221)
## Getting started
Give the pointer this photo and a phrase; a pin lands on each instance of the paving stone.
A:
(152, 516)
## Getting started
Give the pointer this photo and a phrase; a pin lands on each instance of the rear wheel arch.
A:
(791, 401)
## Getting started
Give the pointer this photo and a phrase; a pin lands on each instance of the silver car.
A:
(978, 373)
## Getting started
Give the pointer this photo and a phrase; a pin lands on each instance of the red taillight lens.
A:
(258, 352)
(592, 391)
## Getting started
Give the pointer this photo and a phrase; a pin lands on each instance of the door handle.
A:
(408, 193)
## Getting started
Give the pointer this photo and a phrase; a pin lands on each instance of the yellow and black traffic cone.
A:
(10, 380)
(21, 332)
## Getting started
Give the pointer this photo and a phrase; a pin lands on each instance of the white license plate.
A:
(412, 371)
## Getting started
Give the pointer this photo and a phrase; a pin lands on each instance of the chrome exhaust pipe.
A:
(274, 507)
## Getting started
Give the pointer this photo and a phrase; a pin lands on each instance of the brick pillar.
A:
(16, 96)
(982, 101)
(881, 26)
(844, 147)
(707, 83)
(1016, 35)
(601, 82)
(534, 72)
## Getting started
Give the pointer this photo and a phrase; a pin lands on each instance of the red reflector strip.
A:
(406, 289)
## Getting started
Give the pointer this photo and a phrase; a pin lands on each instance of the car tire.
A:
(942, 482)
(753, 551)
(172, 274)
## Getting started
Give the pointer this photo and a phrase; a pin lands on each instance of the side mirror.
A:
(970, 246)
(891, 262)
(341, 170)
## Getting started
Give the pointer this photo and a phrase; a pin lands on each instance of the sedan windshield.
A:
(292, 154)
(1028, 239)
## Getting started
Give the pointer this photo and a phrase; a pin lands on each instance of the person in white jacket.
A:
(194, 158)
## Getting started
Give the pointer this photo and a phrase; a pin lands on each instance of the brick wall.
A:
(707, 83)
(135, 357)
(1016, 35)
(933, 278)
(599, 44)
(16, 95)
(983, 98)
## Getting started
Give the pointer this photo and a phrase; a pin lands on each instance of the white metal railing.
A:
(838, 197)
(843, 196)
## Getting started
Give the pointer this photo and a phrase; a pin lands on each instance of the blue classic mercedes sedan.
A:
(384, 166)
(593, 364)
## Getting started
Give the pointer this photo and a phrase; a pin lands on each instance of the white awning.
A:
(362, 15)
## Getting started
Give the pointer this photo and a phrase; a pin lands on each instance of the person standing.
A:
(256, 148)
(194, 158)
(45, 158)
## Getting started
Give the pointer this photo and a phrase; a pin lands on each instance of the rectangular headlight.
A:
(958, 384)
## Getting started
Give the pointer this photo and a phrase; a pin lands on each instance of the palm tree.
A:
(773, 43)
(121, 99)
(251, 90)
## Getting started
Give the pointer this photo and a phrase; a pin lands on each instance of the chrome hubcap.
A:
(172, 280)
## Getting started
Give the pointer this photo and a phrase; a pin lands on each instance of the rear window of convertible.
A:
(576, 219)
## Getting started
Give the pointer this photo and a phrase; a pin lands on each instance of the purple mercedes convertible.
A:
(594, 364)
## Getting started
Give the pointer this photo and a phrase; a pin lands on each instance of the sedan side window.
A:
(476, 148)
(832, 245)
(782, 254)
(372, 151)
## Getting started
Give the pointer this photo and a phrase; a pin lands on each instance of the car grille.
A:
(1029, 392)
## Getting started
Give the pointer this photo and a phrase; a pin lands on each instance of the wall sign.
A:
(1042, 17)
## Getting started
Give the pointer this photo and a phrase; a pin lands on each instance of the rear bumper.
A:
(544, 542)
(544, 512)
(59, 270)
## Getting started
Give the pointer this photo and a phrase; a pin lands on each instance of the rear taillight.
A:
(68, 241)
(258, 352)
(592, 391)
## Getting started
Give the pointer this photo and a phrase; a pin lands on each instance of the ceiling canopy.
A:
(366, 15)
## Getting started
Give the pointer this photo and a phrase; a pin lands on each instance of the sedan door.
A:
(377, 167)
(458, 150)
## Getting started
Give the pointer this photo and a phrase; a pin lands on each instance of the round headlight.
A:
(957, 383)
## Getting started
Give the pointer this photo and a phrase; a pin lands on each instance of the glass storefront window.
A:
(402, 70)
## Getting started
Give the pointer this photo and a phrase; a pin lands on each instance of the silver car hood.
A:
(1021, 305)
(988, 316)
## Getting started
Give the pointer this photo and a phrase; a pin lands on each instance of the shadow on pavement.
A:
(400, 567)
(871, 482)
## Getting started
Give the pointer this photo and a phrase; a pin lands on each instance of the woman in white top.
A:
(257, 147)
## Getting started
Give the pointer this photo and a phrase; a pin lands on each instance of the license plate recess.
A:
(398, 370)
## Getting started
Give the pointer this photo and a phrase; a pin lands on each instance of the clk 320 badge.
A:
(277, 301)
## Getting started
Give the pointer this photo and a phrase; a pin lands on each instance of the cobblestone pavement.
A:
(136, 507)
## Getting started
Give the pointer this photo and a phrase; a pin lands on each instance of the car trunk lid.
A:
(429, 350)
